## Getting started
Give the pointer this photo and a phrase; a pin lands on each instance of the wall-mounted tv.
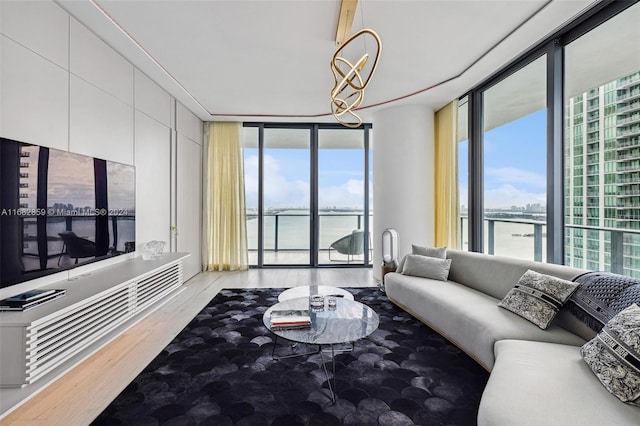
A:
(59, 210)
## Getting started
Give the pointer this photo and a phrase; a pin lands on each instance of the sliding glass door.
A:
(286, 172)
(341, 196)
(308, 195)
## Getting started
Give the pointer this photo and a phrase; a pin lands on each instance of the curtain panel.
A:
(447, 209)
(225, 226)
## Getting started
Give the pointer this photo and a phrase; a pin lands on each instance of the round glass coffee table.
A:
(348, 322)
(308, 290)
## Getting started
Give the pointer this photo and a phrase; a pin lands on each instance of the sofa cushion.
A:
(537, 383)
(438, 252)
(614, 355)
(538, 297)
(426, 267)
(469, 318)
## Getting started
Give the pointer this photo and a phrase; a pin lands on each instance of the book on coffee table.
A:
(290, 319)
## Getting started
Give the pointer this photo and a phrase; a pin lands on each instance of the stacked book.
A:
(287, 319)
(29, 299)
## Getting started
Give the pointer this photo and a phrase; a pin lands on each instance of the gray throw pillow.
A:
(426, 267)
(614, 355)
(538, 297)
(438, 252)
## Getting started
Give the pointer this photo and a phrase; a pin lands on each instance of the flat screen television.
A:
(60, 210)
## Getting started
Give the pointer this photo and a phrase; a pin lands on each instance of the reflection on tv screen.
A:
(59, 210)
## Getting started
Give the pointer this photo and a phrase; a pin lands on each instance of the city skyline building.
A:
(602, 177)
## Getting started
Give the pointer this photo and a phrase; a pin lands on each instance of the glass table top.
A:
(307, 290)
(350, 321)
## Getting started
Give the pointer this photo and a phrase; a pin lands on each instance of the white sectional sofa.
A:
(537, 376)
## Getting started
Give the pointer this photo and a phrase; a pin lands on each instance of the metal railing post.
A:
(359, 221)
(275, 243)
(491, 235)
(537, 242)
(617, 252)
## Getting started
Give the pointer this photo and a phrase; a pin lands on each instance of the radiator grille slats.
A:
(58, 338)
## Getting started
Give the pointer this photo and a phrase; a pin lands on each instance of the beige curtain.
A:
(447, 211)
(225, 226)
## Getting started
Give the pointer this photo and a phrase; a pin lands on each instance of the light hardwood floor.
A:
(85, 391)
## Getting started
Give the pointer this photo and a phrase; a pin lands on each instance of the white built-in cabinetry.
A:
(36, 342)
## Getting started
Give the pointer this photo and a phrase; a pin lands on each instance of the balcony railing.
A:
(289, 231)
(616, 261)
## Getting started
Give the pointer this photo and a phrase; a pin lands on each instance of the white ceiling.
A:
(269, 60)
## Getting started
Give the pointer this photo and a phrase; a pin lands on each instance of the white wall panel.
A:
(34, 96)
(41, 26)
(153, 185)
(152, 99)
(403, 188)
(100, 125)
(188, 124)
(93, 60)
(189, 204)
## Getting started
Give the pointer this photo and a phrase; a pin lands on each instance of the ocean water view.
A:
(510, 239)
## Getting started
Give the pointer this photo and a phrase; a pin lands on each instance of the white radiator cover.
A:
(35, 342)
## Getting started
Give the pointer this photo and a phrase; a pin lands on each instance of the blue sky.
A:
(286, 178)
(515, 163)
(515, 171)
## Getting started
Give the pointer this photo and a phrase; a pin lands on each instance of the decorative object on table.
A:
(29, 299)
(152, 249)
(332, 303)
(316, 303)
(389, 253)
(290, 319)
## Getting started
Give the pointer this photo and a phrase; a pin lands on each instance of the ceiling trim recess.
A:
(174, 80)
(408, 95)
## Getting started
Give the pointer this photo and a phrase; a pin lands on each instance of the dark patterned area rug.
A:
(219, 371)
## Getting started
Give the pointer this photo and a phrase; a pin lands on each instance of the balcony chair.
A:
(76, 247)
(350, 245)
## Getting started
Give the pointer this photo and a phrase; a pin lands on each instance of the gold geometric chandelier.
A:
(347, 93)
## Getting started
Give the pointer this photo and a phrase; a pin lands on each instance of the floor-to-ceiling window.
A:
(554, 146)
(602, 147)
(463, 171)
(308, 196)
(514, 126)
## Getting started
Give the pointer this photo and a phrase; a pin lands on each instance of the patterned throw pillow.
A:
(538, 297)
(614, 355)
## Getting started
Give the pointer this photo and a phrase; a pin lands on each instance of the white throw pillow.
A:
(426, 267)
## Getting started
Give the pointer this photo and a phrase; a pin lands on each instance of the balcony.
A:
(528, 242)
(286, 237)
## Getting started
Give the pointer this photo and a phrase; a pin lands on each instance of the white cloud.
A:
(514, 175)
(505, 196)
(280, 192)
(349, 194)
